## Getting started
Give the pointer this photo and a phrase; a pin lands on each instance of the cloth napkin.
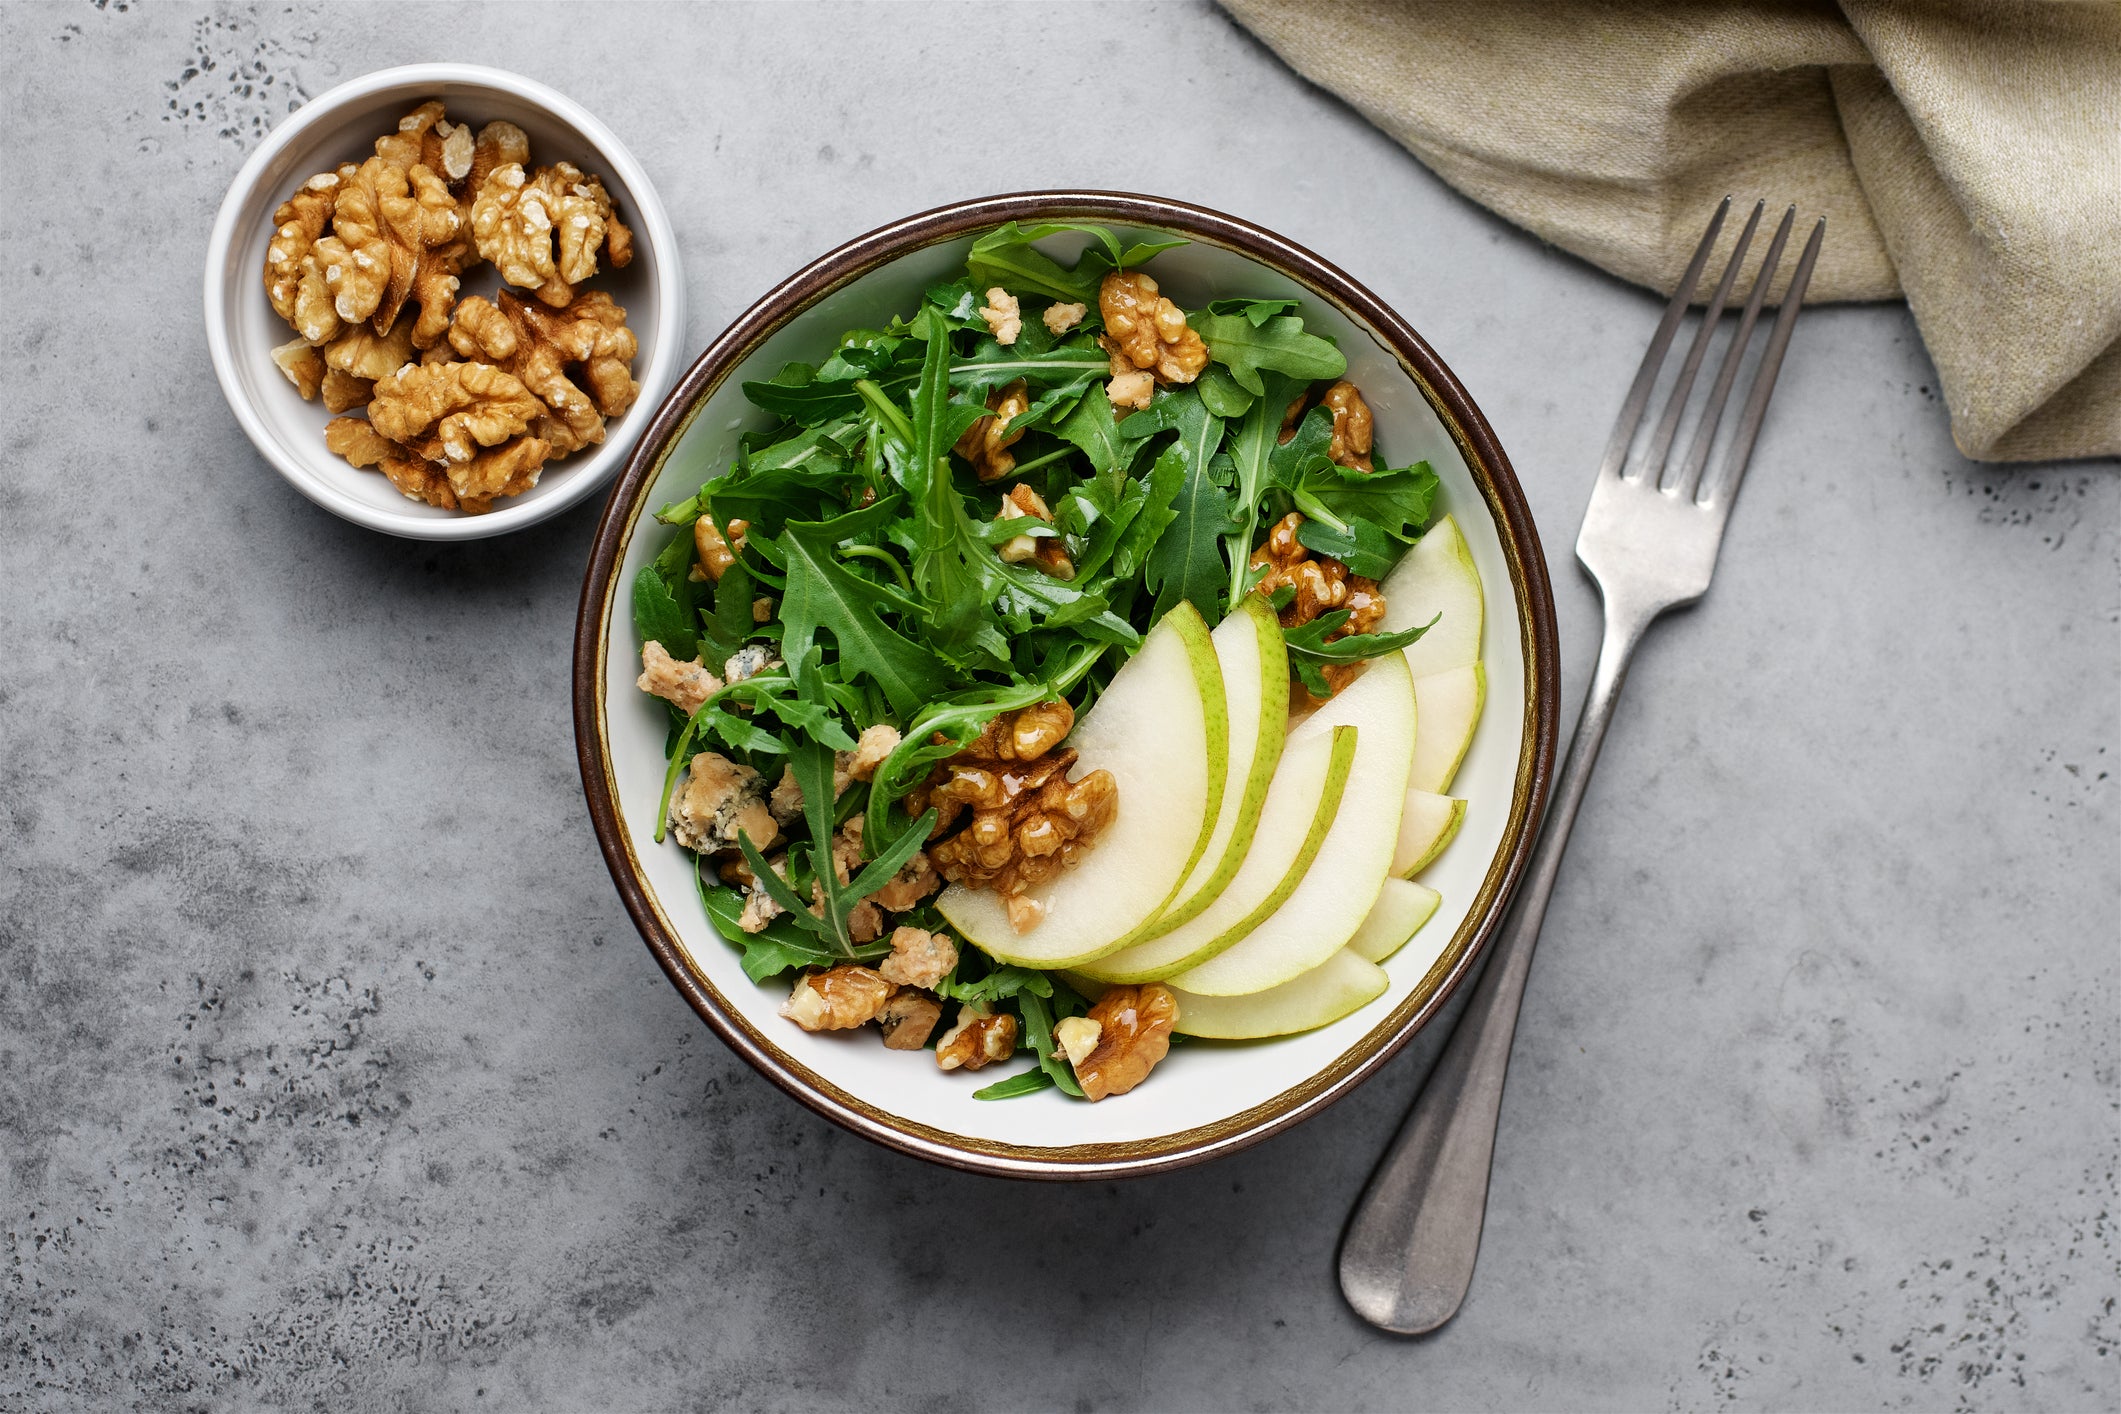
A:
(1965, 153)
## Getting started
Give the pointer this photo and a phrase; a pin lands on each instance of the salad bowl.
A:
(1209, 1097)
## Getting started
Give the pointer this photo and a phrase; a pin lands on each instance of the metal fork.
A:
(1649, 539)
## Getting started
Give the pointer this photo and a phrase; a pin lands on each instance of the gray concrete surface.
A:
(332, 1075)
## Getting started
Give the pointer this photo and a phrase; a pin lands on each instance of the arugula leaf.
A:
(657, 615)
(729, 626)
(1038, 1035)
(781, 947)
(1006, 257)
(1004, 981)
(1028, 1082)
(1187, 561)
(1160, 494)
(1362, 547)
(1259, 311)
(1396, 502)
(1221, 394)
(1309, 640)
(1091, 428)
(1280, 344)
(1071, 365)
(1252, 448)
(823, 593)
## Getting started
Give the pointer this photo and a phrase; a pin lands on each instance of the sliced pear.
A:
(1328, 992)
(1162, 730)
(1299, 811)
(1435, 578)
(1255, 670)
(1427, 823)
(1450, 706)
(1402, 907)
(1324, 911)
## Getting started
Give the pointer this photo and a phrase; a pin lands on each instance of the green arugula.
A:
(1007, 257)
(1253, 446)
(658, 615)
(1308, 646)
(811, 761)
(1279, 344)
(824, 593)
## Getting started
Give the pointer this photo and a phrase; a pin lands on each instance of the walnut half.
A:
(1133, 1034)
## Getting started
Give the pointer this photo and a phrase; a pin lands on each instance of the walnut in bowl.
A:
(294, 354)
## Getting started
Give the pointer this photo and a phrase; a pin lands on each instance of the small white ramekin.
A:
(342, 125)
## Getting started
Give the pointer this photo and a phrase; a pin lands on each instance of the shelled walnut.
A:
(1354, 428)
(1045, 551)
(837, 999)
(544, 232)
(1133, 1034)
(986, 443)
(540, 347)
(1029, 821)
(977, 1040)
(1322, 584)
(469, 419)
(1145, 331)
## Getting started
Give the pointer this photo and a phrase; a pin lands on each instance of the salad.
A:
(1035, 681)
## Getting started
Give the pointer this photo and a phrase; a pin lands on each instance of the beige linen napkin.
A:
(1965, 154)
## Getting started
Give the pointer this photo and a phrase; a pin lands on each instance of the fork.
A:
(1649, 539)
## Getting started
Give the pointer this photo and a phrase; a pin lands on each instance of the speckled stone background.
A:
(332, 1075)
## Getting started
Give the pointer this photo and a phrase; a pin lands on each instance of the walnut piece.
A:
(540, 347)
(294, 276)
(363, 353)
(461, 408)
(1133, 1034)
(719, 800)
(1004, 316)
(977, 1040)
(714, 554)
(1077, 1037)
(1353, 426)
(870, 748)
(357, 440)
(1029, 821)
(343, 392)
(908, 1020)
(543, 232)
(1045, 551)
(1322, 584)
(303, 365)
(1144, 330)
(918, 958)
(986, 443)
(684, 685)
(837, 999)
(1060, 318)
(1132, 389)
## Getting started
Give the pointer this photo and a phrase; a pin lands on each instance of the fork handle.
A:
(1407, 1259)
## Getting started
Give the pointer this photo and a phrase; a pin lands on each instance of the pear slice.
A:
(1402, 907)
(1328, 992)
(1255, 669)
(1162, 730)
(1324, 911)
(1450, 704)
(1300, 808)
(1428, 822)
(1435, 578)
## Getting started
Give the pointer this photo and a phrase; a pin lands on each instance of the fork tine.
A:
(1689, 481)
(1616, 450)
(1683, 385)
(1734, 461)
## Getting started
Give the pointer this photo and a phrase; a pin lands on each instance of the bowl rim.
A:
(652, 225)
(1491, 472)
